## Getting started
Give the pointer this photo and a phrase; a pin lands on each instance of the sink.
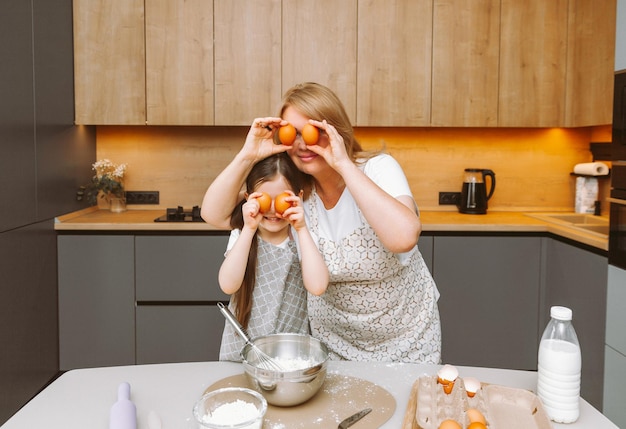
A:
(600, 229)
(589, 223)
(577, 218)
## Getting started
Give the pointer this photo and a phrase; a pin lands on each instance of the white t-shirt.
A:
(234, 235)
(344, 218)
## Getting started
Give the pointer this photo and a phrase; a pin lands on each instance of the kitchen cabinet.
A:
(109, 62)
(615, 348)
(442, 63)
(590, 63)
(179, 62)
(533, 63)
(247, 60)
(176, 292)
(96, 300)
(394, 63)
(425, 246)
(319, 44)
(576, 278)
(40, 155)
(490, 288)
(466, 55)
(126, 299)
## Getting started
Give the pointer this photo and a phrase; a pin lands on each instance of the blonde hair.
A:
(318, 102)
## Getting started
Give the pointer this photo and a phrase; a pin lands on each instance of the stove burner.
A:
(179, 214)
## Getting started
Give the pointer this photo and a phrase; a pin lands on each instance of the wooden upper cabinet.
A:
(179, 62)
(394, 67)
(247, 60)
(533, 62)
(109, 62)
(466, 49)
(319, 45)
(590, 63)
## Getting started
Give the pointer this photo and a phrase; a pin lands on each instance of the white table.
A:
(81, 399)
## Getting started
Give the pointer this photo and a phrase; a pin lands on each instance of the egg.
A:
(447, 373)
(287, 134)
(447, 387)
(477, 425)
(310, 134)
(450, 424)
(475, 416)
(472, 385)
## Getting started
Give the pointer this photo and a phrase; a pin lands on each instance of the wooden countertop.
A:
(93, 219)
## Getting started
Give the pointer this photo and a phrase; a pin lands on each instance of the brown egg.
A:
(450, 424)
(310, 134)
(477, 425)
(287, 134)
(475, 416)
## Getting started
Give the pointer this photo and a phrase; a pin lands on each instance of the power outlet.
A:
(142, 197)
(449, 198)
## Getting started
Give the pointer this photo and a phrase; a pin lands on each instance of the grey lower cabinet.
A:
(490, 289)
(126, 299)
(577, 278)
(177, 290)
(615, 348)
(96, 300)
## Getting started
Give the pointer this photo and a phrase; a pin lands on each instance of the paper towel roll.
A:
(592, 169)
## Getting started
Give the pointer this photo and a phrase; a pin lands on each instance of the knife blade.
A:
(346, 423)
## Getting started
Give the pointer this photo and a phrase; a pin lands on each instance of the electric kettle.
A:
(474, 194)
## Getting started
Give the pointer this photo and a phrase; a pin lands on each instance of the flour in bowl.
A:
(232, 413)
(292, 364)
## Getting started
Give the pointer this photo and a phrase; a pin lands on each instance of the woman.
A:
(381, 302)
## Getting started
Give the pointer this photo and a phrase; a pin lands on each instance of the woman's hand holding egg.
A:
(259, 142)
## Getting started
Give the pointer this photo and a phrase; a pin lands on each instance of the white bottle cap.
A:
(560, 313)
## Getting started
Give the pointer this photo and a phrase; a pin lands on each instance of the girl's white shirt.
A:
(234, 235)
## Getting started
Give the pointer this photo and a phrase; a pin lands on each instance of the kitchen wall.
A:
(532, 166)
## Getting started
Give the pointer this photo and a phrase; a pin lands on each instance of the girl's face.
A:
(271, 224)
(306, 161)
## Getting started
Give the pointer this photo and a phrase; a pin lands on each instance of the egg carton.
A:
(502, 407)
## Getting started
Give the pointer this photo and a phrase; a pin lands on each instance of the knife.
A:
(354, 418)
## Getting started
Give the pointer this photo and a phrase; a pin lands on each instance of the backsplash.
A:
(532, 165)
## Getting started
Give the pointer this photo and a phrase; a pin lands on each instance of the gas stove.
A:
(180, 214)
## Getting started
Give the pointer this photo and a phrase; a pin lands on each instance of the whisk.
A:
(264, 361)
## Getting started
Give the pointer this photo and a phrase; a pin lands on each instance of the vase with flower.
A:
(107, 185)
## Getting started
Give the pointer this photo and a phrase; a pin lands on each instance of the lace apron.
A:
(375, 308)
(279, 299)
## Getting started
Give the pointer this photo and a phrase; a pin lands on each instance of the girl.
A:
(270, 257)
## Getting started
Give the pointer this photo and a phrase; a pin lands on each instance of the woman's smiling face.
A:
(307, 161)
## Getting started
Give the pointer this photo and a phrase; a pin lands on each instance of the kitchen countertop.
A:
(82, 398)
(93, 219)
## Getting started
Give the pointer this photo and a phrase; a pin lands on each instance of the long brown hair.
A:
(319, 102)
(265, 170)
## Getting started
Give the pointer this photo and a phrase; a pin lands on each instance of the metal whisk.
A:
(264, 361)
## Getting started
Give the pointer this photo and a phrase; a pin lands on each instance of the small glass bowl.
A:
(230, 408)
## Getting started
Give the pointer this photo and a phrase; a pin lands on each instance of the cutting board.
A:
(340, 397)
